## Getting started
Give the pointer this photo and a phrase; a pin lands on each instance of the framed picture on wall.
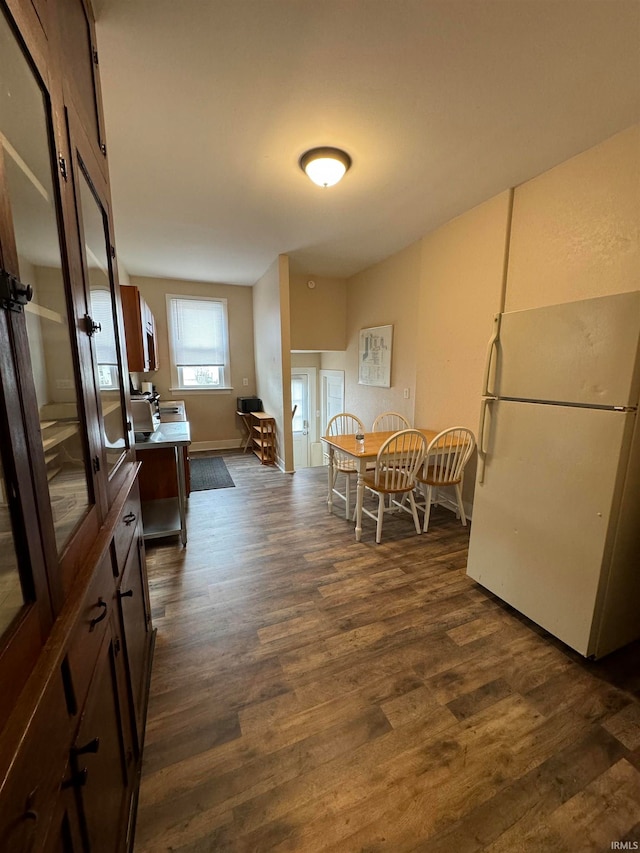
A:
(374, 356)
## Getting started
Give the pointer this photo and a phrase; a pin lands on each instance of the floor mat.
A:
(209, 472)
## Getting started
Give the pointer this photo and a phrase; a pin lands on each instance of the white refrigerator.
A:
(556, 512)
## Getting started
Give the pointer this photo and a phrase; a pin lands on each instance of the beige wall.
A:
(442, 293)
(272, 348)
(575, 227)
(211, 414)
(386, 294)
(318, 314)
(461, 279)
(574, 234)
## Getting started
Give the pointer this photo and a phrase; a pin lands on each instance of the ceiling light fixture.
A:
(325, 166)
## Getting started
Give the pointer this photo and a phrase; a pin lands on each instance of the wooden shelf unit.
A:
(263, 436)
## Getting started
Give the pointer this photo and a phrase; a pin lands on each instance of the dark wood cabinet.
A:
(76, 34)
(102, 760)
(140, 331)
(76, 637)
(135, 614)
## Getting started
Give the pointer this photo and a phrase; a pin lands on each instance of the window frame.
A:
(176, 372)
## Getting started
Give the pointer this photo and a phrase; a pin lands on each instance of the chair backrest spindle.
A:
(390, 422)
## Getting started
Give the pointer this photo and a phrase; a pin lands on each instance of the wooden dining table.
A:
(362, 452)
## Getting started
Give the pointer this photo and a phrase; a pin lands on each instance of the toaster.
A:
(145, 417)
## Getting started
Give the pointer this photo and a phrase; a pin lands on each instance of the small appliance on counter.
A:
(249, 404)
(145, 409)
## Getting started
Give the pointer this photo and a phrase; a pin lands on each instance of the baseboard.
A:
(224, 444)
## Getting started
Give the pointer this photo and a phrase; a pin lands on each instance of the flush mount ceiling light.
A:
(325, 166)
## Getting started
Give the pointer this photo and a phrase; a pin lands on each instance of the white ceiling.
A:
(210, 103)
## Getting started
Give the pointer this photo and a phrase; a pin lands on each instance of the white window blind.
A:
(198, 331)
(105, 340)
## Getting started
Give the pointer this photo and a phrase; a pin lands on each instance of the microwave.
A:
(145, 416)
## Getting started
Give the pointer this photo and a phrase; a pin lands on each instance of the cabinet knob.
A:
(91, 326)
(127, 594)
(129, 518)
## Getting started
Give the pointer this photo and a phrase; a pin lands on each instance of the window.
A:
(105, 338)
(198, 342)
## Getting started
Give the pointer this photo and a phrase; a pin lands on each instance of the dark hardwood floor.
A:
(311, 693)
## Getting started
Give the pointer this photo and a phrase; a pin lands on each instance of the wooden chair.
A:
(444, 464)
(390, 422)
(344, 423)
(398, 460)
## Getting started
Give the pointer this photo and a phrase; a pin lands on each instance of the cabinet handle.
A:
(94, 622)
(129, 518)
(92, 746)
(127, 594)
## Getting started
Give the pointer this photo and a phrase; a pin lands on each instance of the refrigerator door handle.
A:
(483, 443)
(493, 340)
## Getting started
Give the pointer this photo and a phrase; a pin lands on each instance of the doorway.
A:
(331, 396)
(304, 422)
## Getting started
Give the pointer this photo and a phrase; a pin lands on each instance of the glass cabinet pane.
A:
(26, 152)
(102, 313)
(11, 596)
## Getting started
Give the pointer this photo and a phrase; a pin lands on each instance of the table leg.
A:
(246, 420)
(182, 498)
(330, 475)
(362, 465)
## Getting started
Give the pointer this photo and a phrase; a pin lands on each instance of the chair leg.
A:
(347, 492)
(380, 517)
(414, 510)
(460, 504)
(426, 490)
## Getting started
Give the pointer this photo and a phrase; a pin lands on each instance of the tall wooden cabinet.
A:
(139, 330)
(76, 637)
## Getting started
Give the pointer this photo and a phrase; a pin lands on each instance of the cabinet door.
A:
(32, 253)
(149, 330)
(81, 67)
(102, 760)
(65, 834)
(133, 309)
(136, 622)
(47, 494)
(30, 791)
(102, 309)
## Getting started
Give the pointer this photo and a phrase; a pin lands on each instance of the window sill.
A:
(203, 390)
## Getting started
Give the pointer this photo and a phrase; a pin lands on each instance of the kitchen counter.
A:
(167, 516)
(172, 410)
(167, 435)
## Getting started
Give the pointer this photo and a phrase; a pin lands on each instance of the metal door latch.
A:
(14, 295)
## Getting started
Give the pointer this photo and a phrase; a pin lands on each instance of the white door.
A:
(303, 401)
(540, 533)
(332, 396)
(300, 405)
